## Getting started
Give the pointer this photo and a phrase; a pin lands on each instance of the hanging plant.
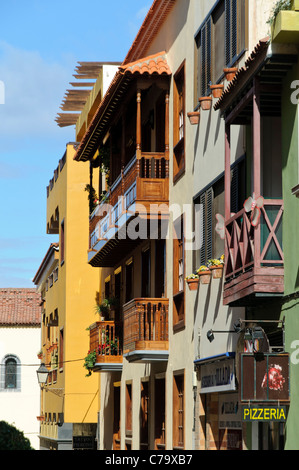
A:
(92, 198)
(89, 362)
(280, 5)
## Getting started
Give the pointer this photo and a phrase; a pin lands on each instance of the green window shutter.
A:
(206, 200)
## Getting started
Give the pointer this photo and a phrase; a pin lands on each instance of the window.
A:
(62, 242)
(129, 280)
(145, 273)
(178, 411)
(61, 349)
(10, 374)
(219, 42)
(160, 429)
(178, 272)
(179, 123)
(129, 410)
(144, 415)
(211, 200)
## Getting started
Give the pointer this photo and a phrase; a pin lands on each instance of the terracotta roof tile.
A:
(20, 306)
(259, 51)
(154, 64)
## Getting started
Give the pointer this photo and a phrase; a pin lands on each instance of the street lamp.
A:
(42, 374)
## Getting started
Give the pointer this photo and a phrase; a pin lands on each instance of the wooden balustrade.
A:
(254, 255)
(144, 180)
(146, 324)
(106, 339)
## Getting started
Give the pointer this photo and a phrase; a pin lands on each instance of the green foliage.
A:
(92, 198)
(279, 5)
(89, 362)
(12, 439)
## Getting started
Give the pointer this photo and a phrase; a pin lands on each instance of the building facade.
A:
(20, 326)
(192, 157)
(68, 288)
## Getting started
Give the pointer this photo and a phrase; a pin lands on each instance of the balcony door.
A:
(145, 273)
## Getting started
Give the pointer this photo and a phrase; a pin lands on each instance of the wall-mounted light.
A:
(42, 374)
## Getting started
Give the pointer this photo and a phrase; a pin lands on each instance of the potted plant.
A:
(194, 117)
(192, 281)
(216, 266)
(217, 90)
(230, 73)
(40, 354)
(104, 308)
(205, 102)
(204, 274)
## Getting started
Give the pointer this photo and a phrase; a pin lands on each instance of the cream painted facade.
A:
(21, 406)
(124, 388)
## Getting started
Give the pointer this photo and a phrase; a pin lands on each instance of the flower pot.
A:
(194, 117)
(205, 277)
(217, 271)
(192, 284)
(230, 73)
(217, 90)
(205, 102)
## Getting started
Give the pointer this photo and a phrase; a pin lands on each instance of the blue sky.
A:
(40, 45)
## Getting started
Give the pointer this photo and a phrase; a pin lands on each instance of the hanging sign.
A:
(218, 376)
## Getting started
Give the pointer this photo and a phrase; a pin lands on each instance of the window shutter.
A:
(206, 199)
(227, 31)
(231, 30)
(202, 201)
(235, 189)
(234, 29)
(206, 56)
(209, 246)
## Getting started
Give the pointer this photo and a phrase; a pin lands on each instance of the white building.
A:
(20, 317)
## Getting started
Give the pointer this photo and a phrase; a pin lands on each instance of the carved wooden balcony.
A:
(106, 339)
(254, 262)
(146, 330)
(140, 188)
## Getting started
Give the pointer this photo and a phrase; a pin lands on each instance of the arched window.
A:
(10, 374)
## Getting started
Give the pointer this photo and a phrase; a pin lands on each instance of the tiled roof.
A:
(153, 21)
(53, 247)
(20, 306)
(259, 51)
(153, 64)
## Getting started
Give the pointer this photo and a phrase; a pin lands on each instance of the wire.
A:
(37, 365)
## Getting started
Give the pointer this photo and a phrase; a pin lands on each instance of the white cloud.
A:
(34, 89)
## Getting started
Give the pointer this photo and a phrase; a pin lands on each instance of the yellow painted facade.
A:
(285, 28)
(69, 287)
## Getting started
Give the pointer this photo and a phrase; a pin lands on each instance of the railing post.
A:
(257, 164)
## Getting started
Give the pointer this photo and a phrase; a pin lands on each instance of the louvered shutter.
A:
(206, 199)
(202, 201)
(231, 30)
(209, 245)
(206, 56)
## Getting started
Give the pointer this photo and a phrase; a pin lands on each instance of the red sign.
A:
(264, 378)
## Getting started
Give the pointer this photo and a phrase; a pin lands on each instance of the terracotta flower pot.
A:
(194, 117)
(205, 277)
(193, 284)
(217, 90)
(217, 271)
(205, 102)
(230, 73)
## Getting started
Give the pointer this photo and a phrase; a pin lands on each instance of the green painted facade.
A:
(290, 307)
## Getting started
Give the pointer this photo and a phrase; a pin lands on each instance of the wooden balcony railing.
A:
(106, 339)
(254, 255)
(144, 180)
(146, 324)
